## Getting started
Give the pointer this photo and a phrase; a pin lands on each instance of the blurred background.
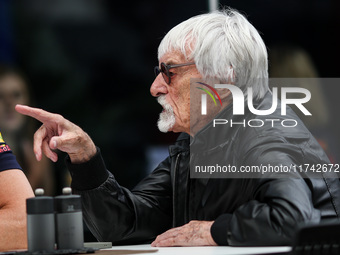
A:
(92, 61)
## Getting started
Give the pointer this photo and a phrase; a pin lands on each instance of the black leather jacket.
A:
(246, 211)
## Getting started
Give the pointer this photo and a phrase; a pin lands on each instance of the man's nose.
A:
(158, 87)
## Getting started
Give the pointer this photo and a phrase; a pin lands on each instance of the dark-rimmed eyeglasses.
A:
(164, 69)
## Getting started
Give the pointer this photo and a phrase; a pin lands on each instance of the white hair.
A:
(224, 46)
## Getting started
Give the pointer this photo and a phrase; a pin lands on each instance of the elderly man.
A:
(14, 189)
(168, 204)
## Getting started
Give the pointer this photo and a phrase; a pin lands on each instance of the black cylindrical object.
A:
(69, 221)
(40, 222)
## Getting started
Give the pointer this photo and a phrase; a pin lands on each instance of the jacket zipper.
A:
(174, 191)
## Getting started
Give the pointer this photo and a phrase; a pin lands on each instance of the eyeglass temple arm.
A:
(178, 65)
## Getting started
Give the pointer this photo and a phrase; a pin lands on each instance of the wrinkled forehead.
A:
(172, 57)
(176, 55)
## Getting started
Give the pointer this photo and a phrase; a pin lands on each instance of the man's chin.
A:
(164, 126)
(172, 128)
(166, 122)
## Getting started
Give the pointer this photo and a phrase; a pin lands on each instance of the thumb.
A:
(60, 143)
(54, 142)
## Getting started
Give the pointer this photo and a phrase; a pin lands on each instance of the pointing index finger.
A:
(39, 114)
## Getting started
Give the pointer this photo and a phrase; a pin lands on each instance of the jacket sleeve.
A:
(116, 214)
(270, 218)
(277, 206)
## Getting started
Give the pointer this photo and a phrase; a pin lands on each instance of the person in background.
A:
(293, 62)
(14, 190)
(19, 130)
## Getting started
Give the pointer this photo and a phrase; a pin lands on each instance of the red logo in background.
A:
(4, 148)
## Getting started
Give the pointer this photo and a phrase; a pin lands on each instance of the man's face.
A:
(175, 97)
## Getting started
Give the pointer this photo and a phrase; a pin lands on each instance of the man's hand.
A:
(195, 233)
(59, 133)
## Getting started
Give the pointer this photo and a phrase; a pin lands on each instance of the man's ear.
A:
(223, 93)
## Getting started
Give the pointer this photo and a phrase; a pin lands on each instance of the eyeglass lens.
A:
(165, 73)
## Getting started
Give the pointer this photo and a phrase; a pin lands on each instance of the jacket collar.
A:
(181, 145)
(208, 136)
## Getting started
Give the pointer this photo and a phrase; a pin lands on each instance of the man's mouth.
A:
(166, 107)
